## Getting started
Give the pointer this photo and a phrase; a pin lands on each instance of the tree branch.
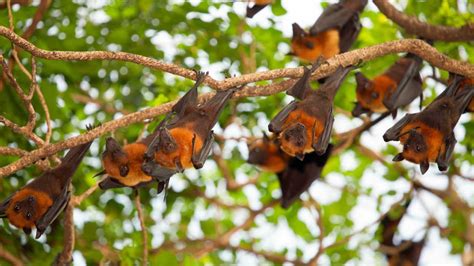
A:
(141, 217)
(65, 257)
(428, 31)
(10, 257)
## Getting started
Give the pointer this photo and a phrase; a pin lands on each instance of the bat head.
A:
(26, 207)
(293, 140)
(115, 159)
(260, 150)
(414, 149)
(167, 143)
(365, 92)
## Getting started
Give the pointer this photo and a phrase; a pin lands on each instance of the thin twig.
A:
(141, 217)
(6, 255)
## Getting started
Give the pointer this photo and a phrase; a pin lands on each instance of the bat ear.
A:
(291, 53)
(111, 145)
(424, 166)
(300, 156)
(361, 80)
(27, 230)
(398, 157)
(109, 183)
(266, 138)
(358, 110)
(4, 207)
(100, 173)
(297, 30)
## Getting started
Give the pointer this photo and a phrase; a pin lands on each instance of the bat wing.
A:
(359, 110)
(278, 121)
(444, 158)
(213, 108)
(333, 17)
(322, 143)
(302, 85)
(409, 82)
(299, 175)
(189, 101)
(199, 157)
(53, 212)
(348, 33)
(394, 132)
(251, 11)
(70, 163)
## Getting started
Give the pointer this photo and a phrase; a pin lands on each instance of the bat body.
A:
(465, 84)
(396, 87)
(257, 6)
(185, 139)
(333, 32)
(123, 165)
(406, 253)
(428, 136)
(295, 176)
(305, 125)
(38, 203)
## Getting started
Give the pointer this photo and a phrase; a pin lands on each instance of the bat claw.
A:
(39, 232)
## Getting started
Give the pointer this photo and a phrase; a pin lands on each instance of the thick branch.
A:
(65, 257)
(428, 31)
(415, 46)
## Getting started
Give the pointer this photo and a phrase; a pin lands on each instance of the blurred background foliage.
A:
(213, 36)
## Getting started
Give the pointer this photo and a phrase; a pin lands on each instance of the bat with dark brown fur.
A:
(295, 176)
(396, 87)
(333, 32)
(406, 253)
(39, 203)
(184, 138)
(305, 125)
(428, 136)
(123, 165)
(256, 7)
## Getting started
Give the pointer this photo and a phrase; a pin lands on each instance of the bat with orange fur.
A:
(123, 165)
(256, 7)
(305, 125)
(396, 87)
(184, 138)
(428, 136)
(295, 176)
(333, 32)
(40, 202)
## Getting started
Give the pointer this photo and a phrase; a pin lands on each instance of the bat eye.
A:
(374, 95)
(31, 199)
(124, 170)
(28, 216)
(406, 146)
(418, 148)
(17, 208)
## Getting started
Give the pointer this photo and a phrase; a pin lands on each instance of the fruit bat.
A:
(123, 165)
(407, 253)
(257, 6)
(305, 125)
(333, 32)
(295, 176)
(465, 84)
(396, 87)
(184, 138)
(41, 201)
(428, 136)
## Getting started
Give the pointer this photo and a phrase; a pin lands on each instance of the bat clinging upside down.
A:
(333, 32)
(295, 176)
(428, 136)
(396, 87)
(123, 166)
(257, 6)
(184, 138)
(304, 126)
(39, 203)
(407, 253)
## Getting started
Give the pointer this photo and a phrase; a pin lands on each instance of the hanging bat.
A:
(465, 84)
(428, 136)
(184, 138)
(333, 32)
(123, 166)
(396, 87)
(41, 201)
(295, 176)
(304, 126)
(257, 6)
